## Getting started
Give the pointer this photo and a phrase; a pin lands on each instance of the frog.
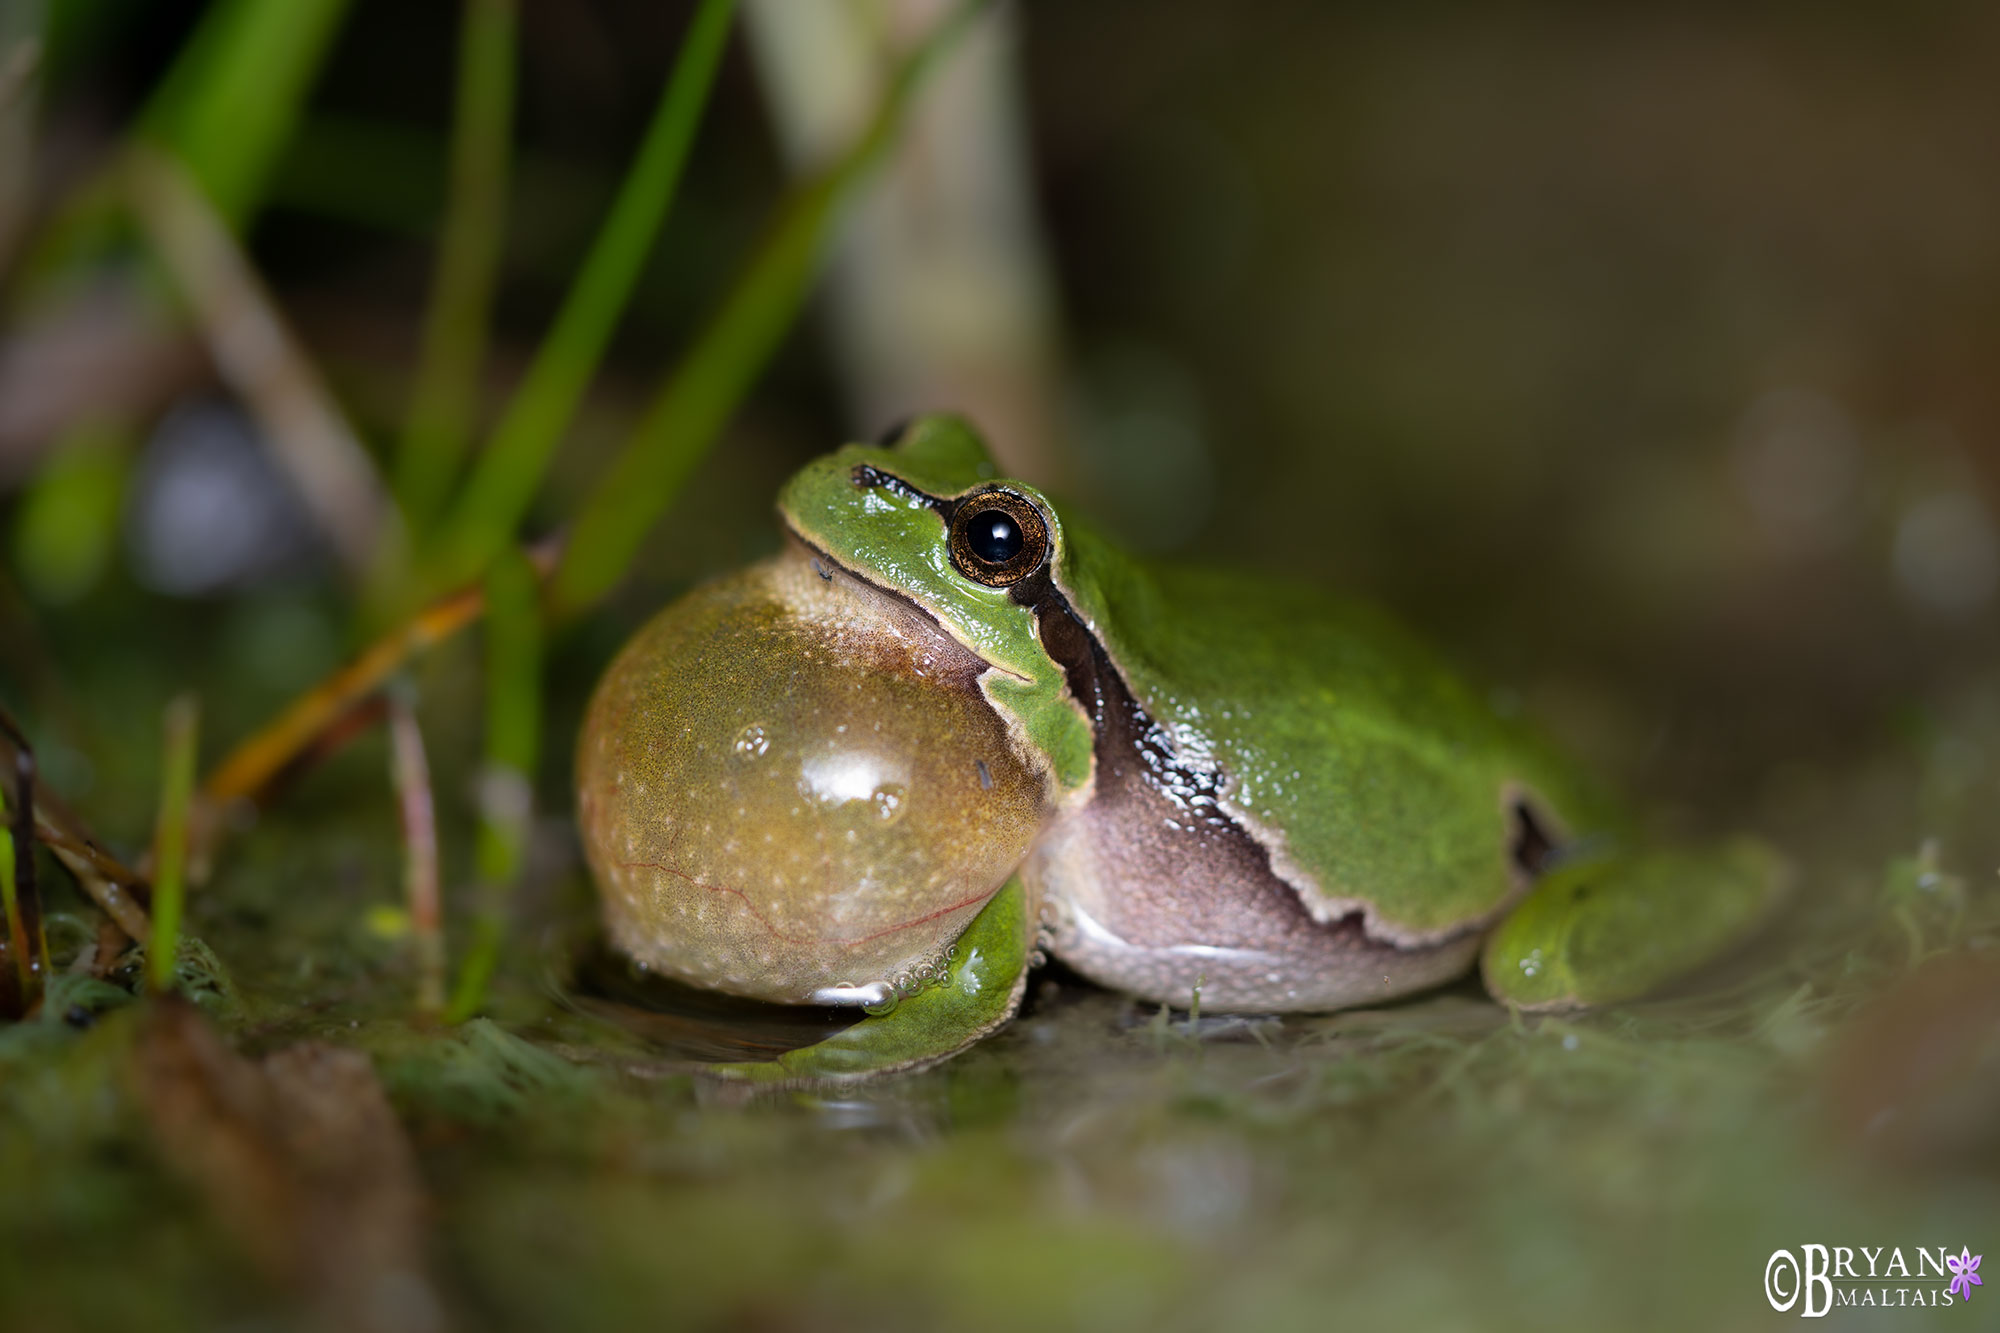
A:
(951, 730)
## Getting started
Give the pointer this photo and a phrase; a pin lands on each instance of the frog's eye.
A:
(998, 538)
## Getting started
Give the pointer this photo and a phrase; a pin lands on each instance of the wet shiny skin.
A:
(790, 782)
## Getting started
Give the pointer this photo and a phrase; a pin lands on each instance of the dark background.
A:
(1616, 347)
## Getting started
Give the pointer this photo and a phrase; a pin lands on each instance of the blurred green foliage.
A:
(229, 107)
(67, 530)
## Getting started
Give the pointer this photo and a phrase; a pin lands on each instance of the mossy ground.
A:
(1438, 1163)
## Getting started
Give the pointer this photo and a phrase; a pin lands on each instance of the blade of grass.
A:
(170, 840)
(506, 789)
(255, 766)
(444, 399)
(16, 993)
(225, 111)
(509, 472)
(260, 359)
(19, 810)
(21, 48)
(412, 774)
(704, 391)
(115, 887)
(513, 705)
(232, 99)
(20, 898)
(18, 996)
(974, 324)
(67, 525)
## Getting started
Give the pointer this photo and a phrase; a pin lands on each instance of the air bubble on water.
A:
(868, 997)
(890, 799)
(753, 742)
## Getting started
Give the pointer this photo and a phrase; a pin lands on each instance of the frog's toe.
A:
(981, 987)
(1600, 931)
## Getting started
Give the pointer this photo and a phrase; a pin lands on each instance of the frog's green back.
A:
(1373, 774)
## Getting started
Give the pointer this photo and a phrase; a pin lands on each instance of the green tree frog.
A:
(949, 727)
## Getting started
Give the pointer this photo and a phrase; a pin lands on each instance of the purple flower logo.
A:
(1965, 1273)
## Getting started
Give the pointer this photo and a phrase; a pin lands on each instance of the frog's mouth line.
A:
(824, 565)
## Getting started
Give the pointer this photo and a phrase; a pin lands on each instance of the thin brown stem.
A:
(246, 776)
(170, 839)
(411, 770)
(260, 358)
(121, 891)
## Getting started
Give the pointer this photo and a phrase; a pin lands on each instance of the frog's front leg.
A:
(1598, 930)
(984, 976)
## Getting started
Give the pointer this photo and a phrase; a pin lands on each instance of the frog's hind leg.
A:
(1602, 929)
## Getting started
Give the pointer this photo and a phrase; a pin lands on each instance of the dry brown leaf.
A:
(304, 1163)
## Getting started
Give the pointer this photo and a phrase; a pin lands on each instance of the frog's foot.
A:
(1602, 930)
(984, 978)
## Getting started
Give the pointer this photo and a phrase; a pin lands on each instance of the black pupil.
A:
(994, 537)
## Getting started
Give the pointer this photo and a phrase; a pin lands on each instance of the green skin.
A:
(1316, 813)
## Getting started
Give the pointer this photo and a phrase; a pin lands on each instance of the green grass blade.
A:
(513, 744)
(15, 926)
(23, 50)
(170, 840)
(232, 98)
(513, 675)
(225, 111)
(66, 527)
(20, 898)
(505, 480)
(695, 404)
(475, 974)
(446, 393)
